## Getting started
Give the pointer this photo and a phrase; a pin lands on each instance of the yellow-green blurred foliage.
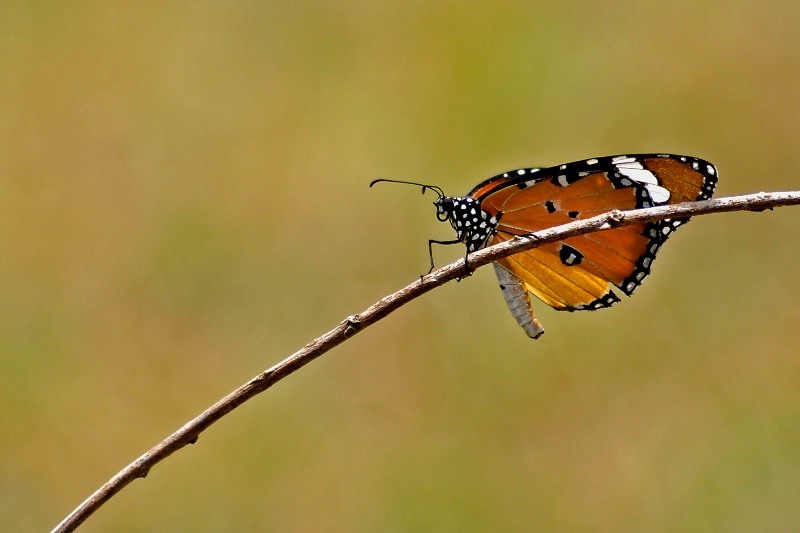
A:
(184, 202)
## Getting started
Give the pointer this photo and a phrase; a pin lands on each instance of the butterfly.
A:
(576, 273)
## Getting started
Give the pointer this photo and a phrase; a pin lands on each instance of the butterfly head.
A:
(473, 225)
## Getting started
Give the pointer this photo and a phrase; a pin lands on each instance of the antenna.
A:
(434, 188)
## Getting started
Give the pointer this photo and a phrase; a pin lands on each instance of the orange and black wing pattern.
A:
(576, 273)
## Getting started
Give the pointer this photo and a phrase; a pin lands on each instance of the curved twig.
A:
(189, 433)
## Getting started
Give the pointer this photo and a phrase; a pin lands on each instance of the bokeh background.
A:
(184, 202)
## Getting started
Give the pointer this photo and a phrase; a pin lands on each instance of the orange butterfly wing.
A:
(574, 274)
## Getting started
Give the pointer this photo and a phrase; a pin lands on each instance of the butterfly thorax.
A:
(473, 225)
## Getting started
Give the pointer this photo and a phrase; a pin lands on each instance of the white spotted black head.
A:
(473, 225)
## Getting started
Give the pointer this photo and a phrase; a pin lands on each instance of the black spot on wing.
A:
(569, 255)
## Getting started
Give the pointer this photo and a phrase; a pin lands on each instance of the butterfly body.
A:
(576, 273)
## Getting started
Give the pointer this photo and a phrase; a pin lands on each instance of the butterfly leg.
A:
(467, 271)
(430, 249)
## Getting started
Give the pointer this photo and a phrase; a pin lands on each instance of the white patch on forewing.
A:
(659, 194)
(634, 170)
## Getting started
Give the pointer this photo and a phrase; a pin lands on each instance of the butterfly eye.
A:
(444, 207)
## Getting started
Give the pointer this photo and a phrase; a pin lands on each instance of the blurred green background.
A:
(183, 188)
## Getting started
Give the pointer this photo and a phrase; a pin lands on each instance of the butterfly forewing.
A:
(575, 273)
(611, 263)
(687, 178)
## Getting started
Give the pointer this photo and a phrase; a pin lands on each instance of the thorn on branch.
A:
(615, 216)
(351, 325)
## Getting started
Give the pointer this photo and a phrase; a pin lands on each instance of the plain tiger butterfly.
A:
(573, 274)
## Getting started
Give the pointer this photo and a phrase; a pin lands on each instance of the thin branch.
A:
(189, 433)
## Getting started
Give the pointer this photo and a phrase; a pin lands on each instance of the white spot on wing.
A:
(637, 173)
(591, 162)
(659, 194)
